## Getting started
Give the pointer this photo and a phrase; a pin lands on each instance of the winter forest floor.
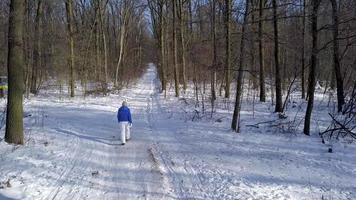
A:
(73, 151)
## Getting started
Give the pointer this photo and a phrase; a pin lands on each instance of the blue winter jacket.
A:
(124, 114)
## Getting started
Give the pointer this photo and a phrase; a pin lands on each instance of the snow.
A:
(73, 151)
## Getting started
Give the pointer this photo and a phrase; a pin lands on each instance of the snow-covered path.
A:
(91, 164)
(124, 172)
(73, 152)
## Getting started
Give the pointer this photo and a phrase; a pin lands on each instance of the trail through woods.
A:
(73, 151)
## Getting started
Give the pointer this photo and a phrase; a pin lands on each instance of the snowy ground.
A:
(73, 151)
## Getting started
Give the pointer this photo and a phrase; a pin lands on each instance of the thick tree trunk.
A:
(313, 63)
(15, 67)
(235, 125)
(278, 83)
(227, 47)
(260, 51)
(37, 55)
(70, 21)
(176, 71)
(336, 57)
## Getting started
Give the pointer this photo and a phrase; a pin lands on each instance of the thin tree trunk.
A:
(122, 42)
(235, 125)
(214, 64)
(336, 57)
(227, 47)
(313, 62)
(279, 105)
(303, 52)
(69, 9)
(101, 11)
(182, 39)
(28, 54)
(162, 45)
(15, 67)
(260, 48)
(175, 64)
(253, 76)
(97, 68)
(37, 48)
(121, 52)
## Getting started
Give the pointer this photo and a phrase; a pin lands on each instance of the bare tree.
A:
(37, 48)
(303, 51)
(181, 17)
(235, 125)
(214, 49)
(15, 66)
(313, 63)
(69, 11)
(336, 57)
(228, 6)
(175, 46)
(279, 105)
(260, 51)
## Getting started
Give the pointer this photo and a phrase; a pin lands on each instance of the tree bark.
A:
(336, 57)
(37, 55)
(162, 45)
(214, 63)
(15, 67)
(279, 105)
(313, 62)
(235, 125)
(103, 36)
(260, 50)
(303, 52)
(175, 61)
(227, 47)
(182, 39)
(69, 11)
(124, 16)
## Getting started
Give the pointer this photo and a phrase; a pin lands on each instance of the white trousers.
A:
(125, 131)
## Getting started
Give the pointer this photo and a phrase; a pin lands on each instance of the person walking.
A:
(125, 122)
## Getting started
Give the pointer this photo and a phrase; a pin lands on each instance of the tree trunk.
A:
(176, 72)
(214, 63)
(15, 67)
(37, 55)
(235, 125)
(182, 39)
(162, 45)
(27, 51)
(252, 52)
(303, 52)
(260, 50)
(103, 36)
(122, 42)
(313, 62)
(336, 57)
(279, 105)
(227, 47)
(69, 11)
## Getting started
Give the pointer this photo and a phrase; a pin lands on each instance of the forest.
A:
(291, 63)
